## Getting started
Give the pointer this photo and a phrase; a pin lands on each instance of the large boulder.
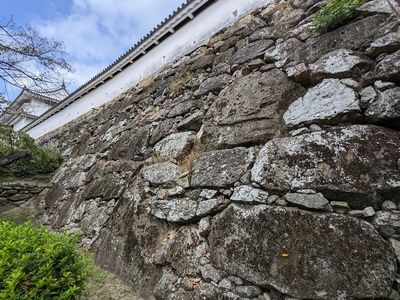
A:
(249, 110)
(175, 145)
(387, 69)
(131, 237)
(340, 63)
(330, 102)
(221, 168)
(312, 256)
(358, 164)
(386, 109)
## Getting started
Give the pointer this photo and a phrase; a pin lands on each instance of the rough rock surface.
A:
(386, 109)
(249, 110)
(169, 182)
(175, 145)
(290, 255)
(341, 163)
(340, 63)
(330, 102)
(221, 168)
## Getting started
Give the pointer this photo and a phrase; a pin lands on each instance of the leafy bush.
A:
(36, 264)
(38, 161)
(335, 13)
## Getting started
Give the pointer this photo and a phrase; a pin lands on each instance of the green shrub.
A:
(334, 14)
(36, 264)
(39, 161)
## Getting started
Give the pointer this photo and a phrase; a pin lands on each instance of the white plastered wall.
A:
(192, 35)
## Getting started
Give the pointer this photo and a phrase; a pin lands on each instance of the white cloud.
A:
(96, 33)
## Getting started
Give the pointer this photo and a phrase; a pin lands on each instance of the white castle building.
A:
(29, 105)
(188, 28)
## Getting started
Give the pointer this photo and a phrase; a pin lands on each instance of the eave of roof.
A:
(152, 39)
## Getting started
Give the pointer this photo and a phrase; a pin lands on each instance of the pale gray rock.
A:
(221, 168)
(245, 26)
(351, 83)
(226, 284)
(236, 280)
(161, 131)
(94, 219)
(250, 109)
(75, 181)
(183, 210)
(281, 202)
(340, 162)
(213, 84)
(367, 96)
(346, 37)
(175, 210)
(299, 73)
(377, 6)
(183, 108)
(208, 194)
(330, 102)
(205, 226)
(306, 191)
(388, 223)
(287, 50)
(208, 272)
(387, 69)
(107, 187)
(386, 109)
(251, 51)
(211, 206)
(389, 205)
(386, 44)
(333, 252)
(368, 212)
(315, 128)
(192, 122)
(396, 246)
(175, 145)
(248, 291)
(248, 194)
(340, 63)
(356, 213)
(184, 251)
(309, 201)
(394, 295)
(161, 173)
(299, 131)
(384, 85)
(186, 284)
(339, 207)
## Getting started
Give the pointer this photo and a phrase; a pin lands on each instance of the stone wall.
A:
(264, 165)
(15, 194)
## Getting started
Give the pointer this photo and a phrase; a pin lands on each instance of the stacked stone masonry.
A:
(15, 194)
(264, 165)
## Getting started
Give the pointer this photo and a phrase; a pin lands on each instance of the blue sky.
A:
(94, 32)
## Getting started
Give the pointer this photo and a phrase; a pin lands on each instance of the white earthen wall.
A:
(197, 32)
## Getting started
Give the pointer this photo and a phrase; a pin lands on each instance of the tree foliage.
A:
(20, 156)
(30, 60)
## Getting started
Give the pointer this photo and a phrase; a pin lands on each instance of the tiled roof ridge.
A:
(79, 92)
(137, 44)
(43, 93)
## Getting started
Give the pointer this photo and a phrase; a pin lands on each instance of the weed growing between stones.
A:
(186, 163)
(36, 263)
(335, 13)
(178, 84)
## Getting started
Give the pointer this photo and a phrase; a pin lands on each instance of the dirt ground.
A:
(106, 286)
